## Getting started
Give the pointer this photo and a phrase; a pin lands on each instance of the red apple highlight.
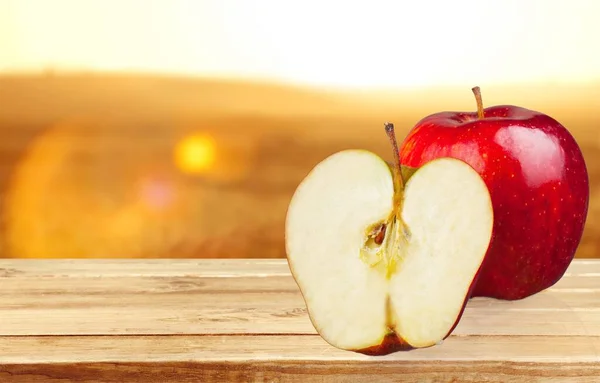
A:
(538, 182)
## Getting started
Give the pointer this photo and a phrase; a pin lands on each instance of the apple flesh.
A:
(537, 178)
(384, 266)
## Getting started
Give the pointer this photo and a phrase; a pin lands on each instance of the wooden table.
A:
(244, 320)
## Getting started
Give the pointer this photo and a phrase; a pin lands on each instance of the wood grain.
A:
(244, 320)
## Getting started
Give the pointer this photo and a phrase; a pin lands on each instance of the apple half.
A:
(384, 266)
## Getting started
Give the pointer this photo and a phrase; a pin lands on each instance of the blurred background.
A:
(142, 128)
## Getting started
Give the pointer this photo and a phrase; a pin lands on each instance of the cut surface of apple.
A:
(384, 266)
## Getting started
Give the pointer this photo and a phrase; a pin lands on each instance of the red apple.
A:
(538, 183)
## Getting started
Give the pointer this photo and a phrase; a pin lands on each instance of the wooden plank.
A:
(102, 268)
(218, 268)
(252, 305)
(584, 267)
(102, 290)
(216, 348)
(255, 318)
(292, 359)
(300, 372)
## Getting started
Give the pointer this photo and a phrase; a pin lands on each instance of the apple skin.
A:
(391, 343)
(539, 186)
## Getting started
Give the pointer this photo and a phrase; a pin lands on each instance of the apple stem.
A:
(478, 99)
(398, 182)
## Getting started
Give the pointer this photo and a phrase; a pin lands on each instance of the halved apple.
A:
(384, 266)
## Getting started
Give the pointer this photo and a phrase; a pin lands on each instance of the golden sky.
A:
(333, 43)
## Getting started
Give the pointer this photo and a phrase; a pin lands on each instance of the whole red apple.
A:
(538, 183)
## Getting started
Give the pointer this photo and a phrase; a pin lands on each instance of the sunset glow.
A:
(334, 43)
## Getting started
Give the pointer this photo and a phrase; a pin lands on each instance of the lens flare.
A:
(196, 154)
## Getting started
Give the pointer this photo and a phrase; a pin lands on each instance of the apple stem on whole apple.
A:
(479, 100)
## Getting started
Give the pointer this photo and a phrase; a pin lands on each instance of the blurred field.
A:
(140, 166)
